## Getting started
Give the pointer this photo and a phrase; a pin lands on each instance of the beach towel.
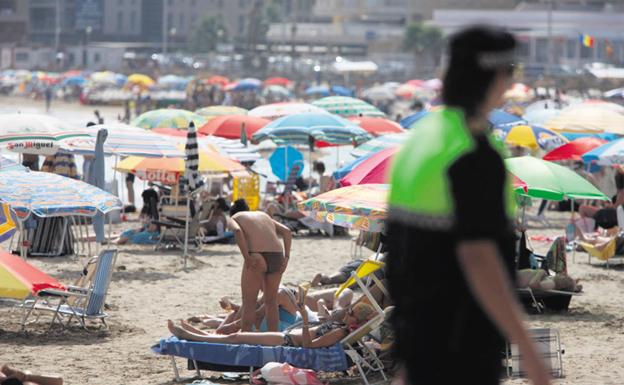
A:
(331, 359)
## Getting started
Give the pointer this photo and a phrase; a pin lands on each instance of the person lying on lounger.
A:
(144, 235)
(540, 280)
(324, 335)
(343, 274)
(10, 376)
(231, 323)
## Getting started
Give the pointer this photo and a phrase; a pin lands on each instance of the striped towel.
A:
(192, 159)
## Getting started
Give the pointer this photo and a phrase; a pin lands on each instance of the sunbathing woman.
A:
(12, 376)
(321, 336)
(287, 308)
(539, 279)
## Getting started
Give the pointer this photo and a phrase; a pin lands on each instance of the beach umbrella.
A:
(317, 90)
(347, 168)
(588, 119)
(248, 84)
(169, 170)
(298, 129)
(409, 120)
(125, 140)
(617, 93)
(173, 80)
(171, 132)
(19, 279)
(340, 91)
(229, 126)
(283, 159)
(35, 133)
(7, 222)
(433, 84)
(518, 92)
(541, 111)
(574, 149)
(532, 137)
(415, 83)
(277, 110)
(372, 170)
(608, 154)
(276, 91)
(74, 81)
(217, 80)
(167, 118)
(406, 91)
(212, 111)
(378, 144)
(377, 126)
(140, 79)
(378, 93)
(361, 207)
(7, 164)
(108, 77)
(547, 180)
(277, 81)
(501, 118)
(598, 103)
(47, 195)
(193, 179)
(230, 148)
(347, 106)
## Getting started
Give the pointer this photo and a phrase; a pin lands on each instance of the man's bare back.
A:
(259, 231)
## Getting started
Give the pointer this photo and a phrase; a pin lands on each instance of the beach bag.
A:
(276, 373)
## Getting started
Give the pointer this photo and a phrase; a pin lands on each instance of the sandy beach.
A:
(150, 287)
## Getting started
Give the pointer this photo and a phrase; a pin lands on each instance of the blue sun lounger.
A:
(248, 357)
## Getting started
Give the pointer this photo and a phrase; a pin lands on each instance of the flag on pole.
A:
(192, 159)
(587, 40)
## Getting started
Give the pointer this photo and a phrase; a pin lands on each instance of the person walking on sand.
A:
(257, 237)
(451, 210)
(48, 97)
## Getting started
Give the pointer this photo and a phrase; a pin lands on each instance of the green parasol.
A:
(346, 106)
(547, 180)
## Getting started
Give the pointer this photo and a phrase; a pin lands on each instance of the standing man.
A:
(257, 237)
(450, 216)
(48, 97)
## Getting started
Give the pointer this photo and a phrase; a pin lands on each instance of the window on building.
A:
(96, 57)
(170, 20)
(571, 43)
(587, 52)
(241, 23)
(182, 20)
(21, 56)
(7, 7)
(119, 20)
(541, 50)
(133, 21)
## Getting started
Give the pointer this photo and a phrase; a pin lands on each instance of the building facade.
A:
(13, 21)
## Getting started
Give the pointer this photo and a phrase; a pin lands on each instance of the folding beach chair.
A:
(604, 254)
(366, 270)
(82, 303)
(363, 356)
(548, 344)
(173, 231)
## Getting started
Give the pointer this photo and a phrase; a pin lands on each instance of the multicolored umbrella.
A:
(36, 134)
(19, 279)
(7, 222)
(167, 118)
(372, 170)
(212, 111)
(532, 137)
(300, 128)
(608, 154)
(278, 110)
(172, 132)
(169, 170)
(347, 106)
(276, 92)
(574, 150)
(45, 195)
(547, 180)
(500, 118)
(230, 148)
(378, 93)
(230, 126)
(361, 207)
(248, 84)
(125, 140)
(217, 80)
(377, 126)
(379, 143)
(409, 120)
(7, 164)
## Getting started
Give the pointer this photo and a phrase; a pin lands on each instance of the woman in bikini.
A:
(324, 335)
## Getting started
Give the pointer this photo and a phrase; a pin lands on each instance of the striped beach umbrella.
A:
(584, 118)
(125, 140)
(372, 170)
(192, 159)
(278, 110)
(7, 222)
(298, 129)
(609, 154)
(36, 134)
(347, 106)
(230, 126)
(167, 118)
(377, 126)
(379, 143)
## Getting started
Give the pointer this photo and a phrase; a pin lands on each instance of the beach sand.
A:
(150, 287)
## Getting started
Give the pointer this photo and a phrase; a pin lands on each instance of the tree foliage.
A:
(208, 34)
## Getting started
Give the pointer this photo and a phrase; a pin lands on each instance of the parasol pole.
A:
(186, 228)
(22, 240)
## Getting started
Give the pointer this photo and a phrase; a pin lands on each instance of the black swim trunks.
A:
(274, 260)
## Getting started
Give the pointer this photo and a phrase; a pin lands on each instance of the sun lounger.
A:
(81, 303)
(604, 254)
(540, 300)
(352, 350)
